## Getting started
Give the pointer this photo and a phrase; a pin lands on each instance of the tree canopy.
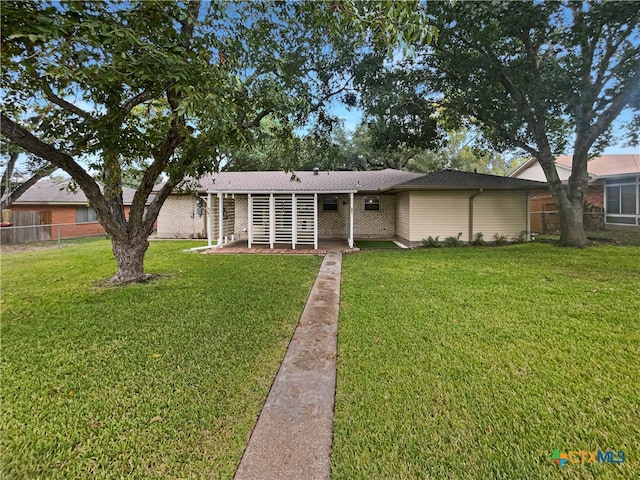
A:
(164, 88)
(543, 77)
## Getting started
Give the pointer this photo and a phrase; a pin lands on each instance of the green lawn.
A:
(163, 380)
(479, 362)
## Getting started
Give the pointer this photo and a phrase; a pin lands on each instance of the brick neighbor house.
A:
(612, 200)
(68, 211)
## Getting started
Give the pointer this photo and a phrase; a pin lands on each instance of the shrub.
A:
(453, 241)
(500, 239)
(431, 242)
(478, 241)
(522, 238)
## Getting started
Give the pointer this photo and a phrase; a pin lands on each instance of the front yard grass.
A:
(376, 245)
(479, 362)
(163, 380)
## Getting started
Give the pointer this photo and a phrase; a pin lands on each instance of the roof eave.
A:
(285, 192)
(543, 186)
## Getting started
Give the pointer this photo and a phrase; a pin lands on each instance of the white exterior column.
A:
(220, 219)
(351, 199)
(315, 221)
(233, 234)
(272, 220)
(250, 219)
(294, 221)
(209, 221)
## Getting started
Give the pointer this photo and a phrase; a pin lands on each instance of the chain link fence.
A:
(22, 234)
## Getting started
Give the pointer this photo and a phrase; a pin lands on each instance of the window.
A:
(85, 214)
(372, 203)
(330, 203)
(613, 199)
(623, 200)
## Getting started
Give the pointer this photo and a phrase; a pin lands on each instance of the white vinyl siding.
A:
(439, 214)
(504, 213)
(403, 215)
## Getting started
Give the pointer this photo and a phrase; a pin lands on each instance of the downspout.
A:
(471, 214)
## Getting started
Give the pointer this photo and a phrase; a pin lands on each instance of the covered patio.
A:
(242, 246)
(282, 220)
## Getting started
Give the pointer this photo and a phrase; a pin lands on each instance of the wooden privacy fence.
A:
(544, 216)
(30, 226)
(549, 221)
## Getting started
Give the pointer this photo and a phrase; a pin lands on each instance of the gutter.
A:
(471, 213)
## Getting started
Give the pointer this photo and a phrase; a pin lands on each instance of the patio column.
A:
(351, 199)
(272, 220)
(209, 221)
(233, 233)
(315, 221)
(220, 219)
(250, 219)
(294, 221)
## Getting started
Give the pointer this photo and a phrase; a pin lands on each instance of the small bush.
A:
(478, 241)
(431, 242)
(500, 239)
(522, 238)
(453, 241)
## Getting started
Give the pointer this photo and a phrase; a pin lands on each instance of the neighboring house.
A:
(613, 194)
(298, 209)
(69, 212)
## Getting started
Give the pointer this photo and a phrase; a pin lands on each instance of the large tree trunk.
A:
(129, 255)
(570, 201)
(572, 223)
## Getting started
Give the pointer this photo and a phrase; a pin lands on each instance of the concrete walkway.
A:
(292, 438)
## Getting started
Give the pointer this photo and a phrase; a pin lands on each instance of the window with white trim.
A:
(622, 201)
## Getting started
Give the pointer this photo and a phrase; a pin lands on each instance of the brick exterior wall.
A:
(65, 214)
(334, 223)
(374, 223)
(366, 223)
(178, 218)
(242, 216)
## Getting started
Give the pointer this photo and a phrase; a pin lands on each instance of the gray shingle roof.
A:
(324, 181)
(452, 179)
(47, 191)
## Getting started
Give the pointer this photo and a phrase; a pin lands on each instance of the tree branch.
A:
(156, 204)
(617, 105)
(8, 172)
(137, 100)
(257, 119)
(53, 98)
(507, 135)
(26, 140)
(18, 192)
